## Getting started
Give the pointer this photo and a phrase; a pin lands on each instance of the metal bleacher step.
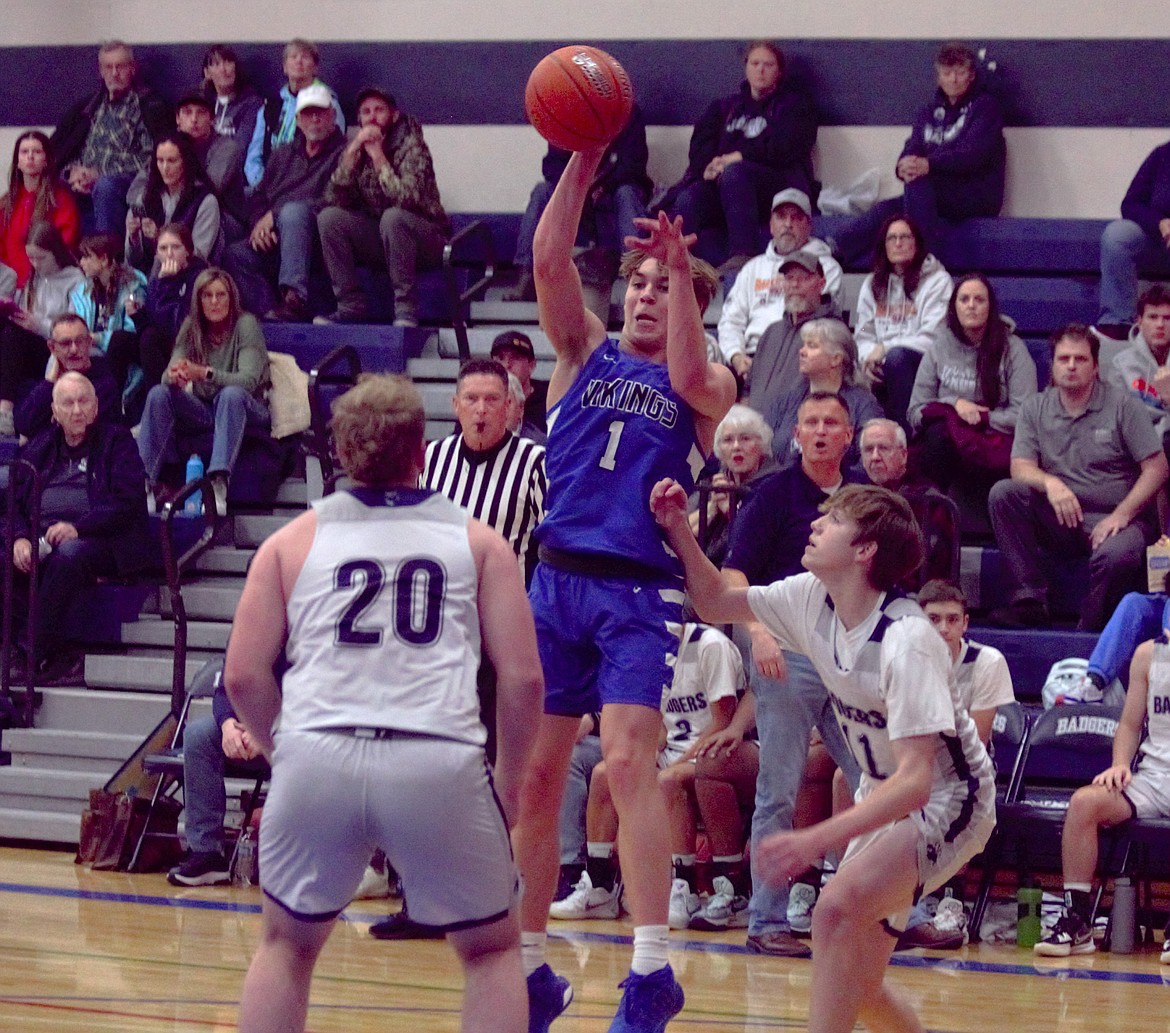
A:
(225, 559)
(41, 826)
(210, 599)
(86, 709)
(160, 633)
(46, 789)
(479, 340)
(251, 529)
(69, 749)
(140, 672)
(493, 309)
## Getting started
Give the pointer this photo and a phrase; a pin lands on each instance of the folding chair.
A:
(1062, 750)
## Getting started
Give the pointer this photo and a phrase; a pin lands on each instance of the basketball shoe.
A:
(587, 901)
(1070, 935)
(548, 996)
(648, 1003)
(684, 903)
(724, 908)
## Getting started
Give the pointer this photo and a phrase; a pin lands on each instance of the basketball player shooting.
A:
(926, 804)
(383, 594)
(607, 594)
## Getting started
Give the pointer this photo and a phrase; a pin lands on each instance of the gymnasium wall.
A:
(1083, 83)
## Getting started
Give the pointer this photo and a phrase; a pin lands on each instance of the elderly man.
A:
(93, 518)
(776, 366)
(70, 350)
(1086, 464)
(1141, 234)
(1141, 368)
(284, 210)
(756, 299)
(102, 142)
(768, 540)
(277, 124)
(383, 210)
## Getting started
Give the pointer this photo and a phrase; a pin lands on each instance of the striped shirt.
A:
(502, 487)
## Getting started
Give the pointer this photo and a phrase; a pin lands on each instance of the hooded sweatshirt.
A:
(901, 321)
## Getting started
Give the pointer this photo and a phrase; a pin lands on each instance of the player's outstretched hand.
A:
(664, 240)
(784, 855)
(668, 503)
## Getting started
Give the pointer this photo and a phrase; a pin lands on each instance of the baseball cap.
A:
(515, 340)
(374, 91)
(804, 259)
(194, 97)
(793, 196)
(315, 95)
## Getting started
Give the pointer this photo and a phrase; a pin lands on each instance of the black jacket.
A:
(117, 493)
(35, 413)
(68, 139)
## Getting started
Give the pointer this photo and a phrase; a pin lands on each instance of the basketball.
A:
(578, 97)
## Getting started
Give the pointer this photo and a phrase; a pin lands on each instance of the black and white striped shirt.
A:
(502, 487)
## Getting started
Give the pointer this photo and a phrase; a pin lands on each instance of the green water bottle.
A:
(1028, 900)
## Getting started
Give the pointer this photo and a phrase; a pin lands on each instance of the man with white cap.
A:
(756, 300)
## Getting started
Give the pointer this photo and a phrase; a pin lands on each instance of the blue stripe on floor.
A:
(1050, 967)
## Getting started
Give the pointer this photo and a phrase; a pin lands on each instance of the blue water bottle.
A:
(194, 504)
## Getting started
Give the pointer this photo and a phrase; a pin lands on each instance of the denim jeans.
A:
(606, 222)
(204, 795)
(287, 265)
(1123, 245)
(1138, 618)
(786, 712)
(109, 203)
(228, 416)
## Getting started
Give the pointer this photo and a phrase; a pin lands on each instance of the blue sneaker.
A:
(649, 1002)
(548, 996)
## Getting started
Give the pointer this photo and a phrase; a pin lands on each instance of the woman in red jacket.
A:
(34, 194)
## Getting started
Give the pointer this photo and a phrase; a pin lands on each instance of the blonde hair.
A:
(703, 278)
(378, 428)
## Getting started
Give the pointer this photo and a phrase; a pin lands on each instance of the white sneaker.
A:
(586, 901)
(1165, 959)
(683, 904)
(802, 898)
(374, 885)
(723, 910)
(950, 917)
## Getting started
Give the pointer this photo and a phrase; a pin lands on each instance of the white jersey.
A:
(982, 674)
(889, 678)
(1155, 748)
(383, 626)
(708, 668)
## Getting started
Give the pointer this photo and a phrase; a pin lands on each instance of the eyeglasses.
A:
(899, 238)
(80, 341)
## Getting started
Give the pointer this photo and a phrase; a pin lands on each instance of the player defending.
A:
(607, 593)
(381, 596)
(926, 803)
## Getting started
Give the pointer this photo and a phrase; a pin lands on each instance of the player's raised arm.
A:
(572, 329)
(715, 602)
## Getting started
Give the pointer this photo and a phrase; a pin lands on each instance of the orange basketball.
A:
(578, 98)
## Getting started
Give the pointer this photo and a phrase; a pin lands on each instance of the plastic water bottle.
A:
(1124, 913)
(244, 873)
(1028, 900)
(194, 504)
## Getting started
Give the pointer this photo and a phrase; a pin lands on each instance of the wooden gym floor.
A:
(99, 951)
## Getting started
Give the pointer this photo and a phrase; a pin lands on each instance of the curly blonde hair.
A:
(378, 428)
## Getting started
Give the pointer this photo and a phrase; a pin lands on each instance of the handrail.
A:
(26, 715)
(317, 440)
(456, 298)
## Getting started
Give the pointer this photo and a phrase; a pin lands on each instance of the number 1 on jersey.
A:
(615, 435)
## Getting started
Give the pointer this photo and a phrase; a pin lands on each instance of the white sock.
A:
(650, 944)
(602, 850)
(532, 949)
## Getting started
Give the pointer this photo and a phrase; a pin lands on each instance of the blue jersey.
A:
(618, 430)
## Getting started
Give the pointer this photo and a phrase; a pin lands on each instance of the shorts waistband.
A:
(365, 732)
(595, 565)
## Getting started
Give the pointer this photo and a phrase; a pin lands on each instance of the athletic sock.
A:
(650, 944)
(1078, 898)
(731, 867)
(811, 877)
(532, 951)
(684, 868)
(599, 864)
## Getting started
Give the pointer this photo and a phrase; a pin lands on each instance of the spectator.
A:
(34, 195)
(743, 446)
(93, 519)
(756, 299)
(954, 162)
(383, 209)
(277, 124)
(514, 349)
(283, 237)
(744, 149)
(215, 382)
(24, 328)
(1141, 368)
(102, 142)
(70, 351)
(619, 194)
(767, 543)
(776, 365)
(1086, 464)
(108, 299)
(900, 312)
(235, 105)
(1115, 795)
(208, 742)
(572, 832)
(884, 456)
(220, 157)
(828, 365)
(174, 189)
(969, 389)
(516, 422)
(1139, 616)
(1141, 234)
